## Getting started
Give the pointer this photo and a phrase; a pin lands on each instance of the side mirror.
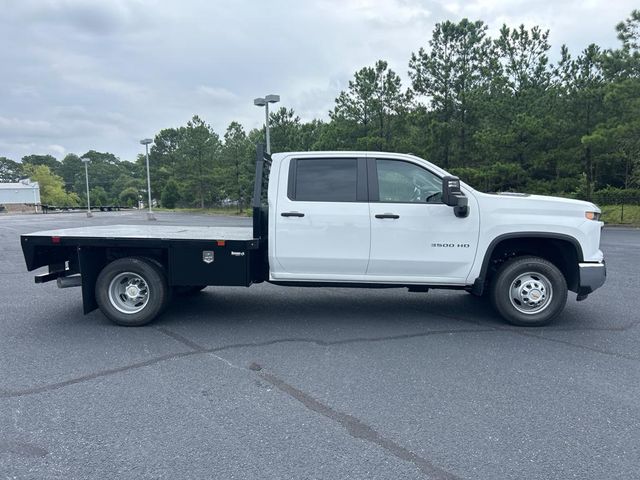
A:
(451, 191)
(452, 195)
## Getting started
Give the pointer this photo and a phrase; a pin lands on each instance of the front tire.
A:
(132, 291)
(529, 291)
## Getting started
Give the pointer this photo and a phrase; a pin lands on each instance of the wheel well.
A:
(93, 260)
(563, 253)
(159, 255)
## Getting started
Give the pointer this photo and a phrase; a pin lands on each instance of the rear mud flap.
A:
(91, 262)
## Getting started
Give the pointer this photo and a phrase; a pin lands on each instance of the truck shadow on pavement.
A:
(368, 308)
(352, 306)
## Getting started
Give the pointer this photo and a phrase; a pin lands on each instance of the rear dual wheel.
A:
(132, 291)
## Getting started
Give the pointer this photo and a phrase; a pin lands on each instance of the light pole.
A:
(264, 102)
(86, 161)
(35, 186)
(146, 142)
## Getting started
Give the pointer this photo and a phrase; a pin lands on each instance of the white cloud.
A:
(20, 127)
(87, 16)
(217, 94)
(59, 149)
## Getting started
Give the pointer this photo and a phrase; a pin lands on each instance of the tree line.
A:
(493, 110)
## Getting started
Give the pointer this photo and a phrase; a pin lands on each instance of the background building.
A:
(17, 195)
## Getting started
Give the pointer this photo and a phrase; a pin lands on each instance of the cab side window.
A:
(405, 182)
(326, 180)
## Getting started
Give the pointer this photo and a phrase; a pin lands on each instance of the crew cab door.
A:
(414, 236)
(322, 219)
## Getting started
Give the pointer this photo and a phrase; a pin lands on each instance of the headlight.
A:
(592, 215)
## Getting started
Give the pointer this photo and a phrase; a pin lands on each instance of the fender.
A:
(478, 284)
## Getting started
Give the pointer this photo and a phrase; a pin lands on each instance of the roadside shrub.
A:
(617, 196)
(99, 197)
(170, 194)
(128, 197)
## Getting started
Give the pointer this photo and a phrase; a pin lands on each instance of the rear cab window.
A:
(327, 180)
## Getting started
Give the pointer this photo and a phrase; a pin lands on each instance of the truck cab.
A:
(352, 219)
(367, 218)
(384, 219)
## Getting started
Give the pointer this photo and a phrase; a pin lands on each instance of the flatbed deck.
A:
(191, 255)
(181, 256)
(145, 232)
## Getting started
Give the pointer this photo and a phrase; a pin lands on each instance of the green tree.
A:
(523, 58)
(48, 160)
(165, 158)
(285, 128)
(370, 106)
(616, 140)
(200, 148)
(238, 164)
(310, 135)
(100, 197)
(51, 186)
(72, 172)
(580, 88)
(629, 31)
(517, 112)
(450, 73)
(10, 171)
(128, 197)
(170, 194)
(104, 170)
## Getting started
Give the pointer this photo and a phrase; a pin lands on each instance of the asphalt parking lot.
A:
(274, 383)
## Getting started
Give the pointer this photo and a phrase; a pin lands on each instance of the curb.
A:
(628, 226)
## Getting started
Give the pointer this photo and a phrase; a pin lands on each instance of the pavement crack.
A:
(583, 347)
(184, 340)
(355, 427)
(198, 349)
(521, 331)
(92, 376)
(324, 343)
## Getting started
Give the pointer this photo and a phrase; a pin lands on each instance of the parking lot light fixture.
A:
(264, 102)
(86, 161)
(146, 142)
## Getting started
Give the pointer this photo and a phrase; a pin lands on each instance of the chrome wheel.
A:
(128, 292)
(530, 293)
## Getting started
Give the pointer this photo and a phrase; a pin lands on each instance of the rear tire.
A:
(529, 291)
(132, 291)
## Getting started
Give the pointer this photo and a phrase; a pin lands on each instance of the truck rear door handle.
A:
(292, 214)
(387, 215)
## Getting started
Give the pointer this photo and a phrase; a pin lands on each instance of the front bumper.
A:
(592, 277)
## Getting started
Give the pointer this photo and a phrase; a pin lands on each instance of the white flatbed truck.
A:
(348, 219)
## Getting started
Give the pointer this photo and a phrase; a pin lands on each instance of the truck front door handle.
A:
(387, 215)
(292, 214)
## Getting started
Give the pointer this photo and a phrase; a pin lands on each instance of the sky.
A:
(88, 74)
